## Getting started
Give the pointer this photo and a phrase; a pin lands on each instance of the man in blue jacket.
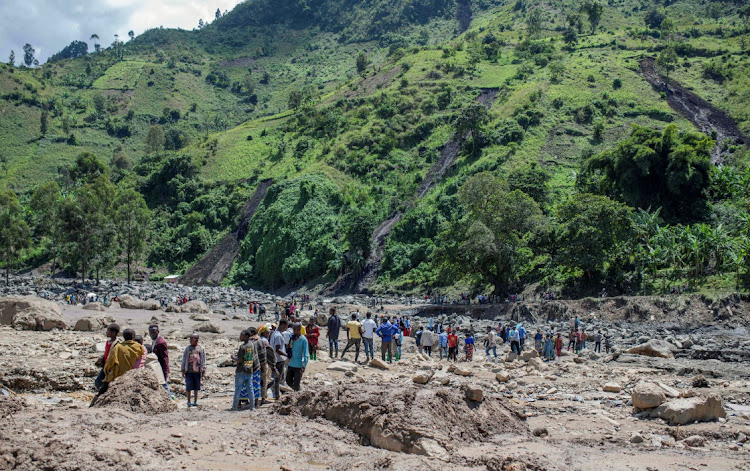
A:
(386, 331)
(334, 329)
(299, 358)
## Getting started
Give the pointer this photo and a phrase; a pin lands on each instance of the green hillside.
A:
(494, 140)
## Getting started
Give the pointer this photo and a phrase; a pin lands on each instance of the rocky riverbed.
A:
(588, 411)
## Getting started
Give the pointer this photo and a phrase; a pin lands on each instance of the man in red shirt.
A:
(160, 349)
(112, 331)
(452, 346)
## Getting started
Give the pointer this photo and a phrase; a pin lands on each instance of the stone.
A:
(653, 348)
(699, 382)
(199, 317)
(422, 377)
(503, 376)
(97, 306)
(528, 355)
(342, 366)
(193, 307)
(441, 378)
(540, 432)
(474, 393)
(511, 357)
(131, 302)
(612, 387)
(208, 327)
(378, 363)
(636, 438)
(461, 371)
(647, 396)
(691, 409)
(669, 391)
(694, 441)
(537, 364)
(93, 323)
(30, 313)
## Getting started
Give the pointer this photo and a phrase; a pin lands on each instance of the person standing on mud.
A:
(572, 339)
(469, 346)
(312, 333)
(279, 347)
(598, 342)
(443, 344)
(299, 358)
(159, 348)
(452, 345)
(427, 341)
(243, 374)
(353, 337)
(385, 332)
(193, 368)
(112, 331)
(368, 333)
(334, 328)
(514, 337)
(490, 344)
(607, 343)
(558, 345)
(264, 332)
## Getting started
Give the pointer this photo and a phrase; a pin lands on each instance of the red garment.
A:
(452, 340)
(107, 348)
(312, 335)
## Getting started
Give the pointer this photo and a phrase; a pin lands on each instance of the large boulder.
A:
(321, 319)
(647, 396)
(378, 363)
(131, 302)
(422, 377)
(30, 313)
(653, 348)
(691, 409)
(208, 327)
(190, 307)
(93, 323)
(474, 392)
(529, 354)
(97, 306)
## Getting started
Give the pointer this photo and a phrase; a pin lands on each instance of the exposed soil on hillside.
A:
(213, 267)
(704, 115)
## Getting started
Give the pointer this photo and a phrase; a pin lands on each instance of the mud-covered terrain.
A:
(420, 413)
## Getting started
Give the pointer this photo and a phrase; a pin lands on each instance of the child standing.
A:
(193, 367)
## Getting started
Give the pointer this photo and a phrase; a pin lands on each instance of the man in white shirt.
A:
(368, 328)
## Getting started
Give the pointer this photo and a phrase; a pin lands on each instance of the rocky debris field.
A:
(673, 394)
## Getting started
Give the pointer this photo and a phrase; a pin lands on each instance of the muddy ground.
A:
(547, 416)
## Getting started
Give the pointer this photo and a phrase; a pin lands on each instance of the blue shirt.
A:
(522, 332)
(443, 339)
(469, 340)
(300, 354)
(386, 331)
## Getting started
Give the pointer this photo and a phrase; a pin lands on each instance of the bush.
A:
(617, 84)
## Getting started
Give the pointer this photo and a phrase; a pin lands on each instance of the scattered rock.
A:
(528, 355)
(474, 393)
(194, 306)
(208, 327)
(691, 409)
(342, 366)
(97, 306)
(700, 382)
(669, 391)
(540, 432)
(653, 348)
(378, 363)
(636, 438)
(612, 387)
(503, 376)
(462, 371)
(647, 396)
(93, 323)
(130, 302)
(694, 441)
(199, 317)
(422, 377)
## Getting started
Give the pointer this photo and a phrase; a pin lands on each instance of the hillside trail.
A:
(701, 113)
(215, 265)
(448, 154)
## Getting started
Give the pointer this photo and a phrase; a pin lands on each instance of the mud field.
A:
(513, 414)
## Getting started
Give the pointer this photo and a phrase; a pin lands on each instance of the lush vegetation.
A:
(565, 169)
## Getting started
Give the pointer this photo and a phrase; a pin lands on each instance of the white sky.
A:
(50, 25)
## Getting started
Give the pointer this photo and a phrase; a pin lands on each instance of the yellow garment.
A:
(121, 359)
(353, 327)
(304, 331)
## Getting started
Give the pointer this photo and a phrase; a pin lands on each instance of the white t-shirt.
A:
(368, 325)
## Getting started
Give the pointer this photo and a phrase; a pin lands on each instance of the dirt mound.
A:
(407, 419)
(137, 391)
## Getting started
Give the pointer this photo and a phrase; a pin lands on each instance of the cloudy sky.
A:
(50, 25)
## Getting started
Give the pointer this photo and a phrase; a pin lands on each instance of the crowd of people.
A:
(275, 355)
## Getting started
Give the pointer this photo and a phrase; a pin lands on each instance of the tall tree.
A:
(28, 54)
(12, 59)
(218, 13)
(492, 240)
(155, 139)
(667, 60)
(471, 121)
(593, 10)
(133, 218)
(534, 23)
(14, 232)
(43, 122)
(362, 63)
(131, 34)
(95, 38)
